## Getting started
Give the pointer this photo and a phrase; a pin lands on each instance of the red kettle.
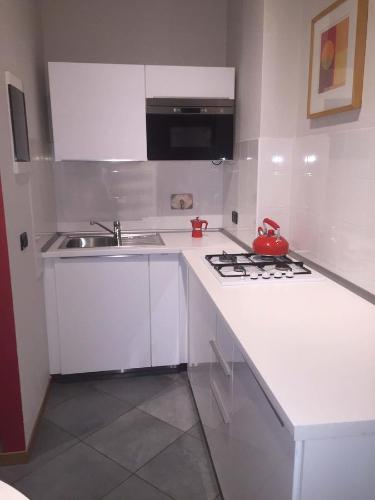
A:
(197, 224)
(269, 243)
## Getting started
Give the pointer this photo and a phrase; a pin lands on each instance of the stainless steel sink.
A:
(99, 241)
(137, 239)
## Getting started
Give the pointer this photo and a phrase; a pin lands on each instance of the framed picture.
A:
(337, 58)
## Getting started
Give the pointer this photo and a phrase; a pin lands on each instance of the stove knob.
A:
(278, 274)
(266, 275)
(289, 274)
(254, 276)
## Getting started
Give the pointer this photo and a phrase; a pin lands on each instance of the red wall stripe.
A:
(12, 436)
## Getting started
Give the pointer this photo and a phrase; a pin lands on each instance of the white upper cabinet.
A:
(98, 111)
(190, 82)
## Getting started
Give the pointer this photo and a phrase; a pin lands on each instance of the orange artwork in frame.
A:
(337, 58)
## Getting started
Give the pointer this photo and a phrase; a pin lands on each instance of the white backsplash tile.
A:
(240, 191)
(137, 193)
(333, 208)
(274, 181)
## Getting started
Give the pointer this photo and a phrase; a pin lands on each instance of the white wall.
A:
(332, 198)
(29, 200)
(245, 53)
(280, 65)
(279, 104)
(136, 31)
(141, 32)
(325, 207)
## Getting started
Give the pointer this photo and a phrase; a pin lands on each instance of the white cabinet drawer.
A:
(261, 445)
(201, 330)
(221, 369)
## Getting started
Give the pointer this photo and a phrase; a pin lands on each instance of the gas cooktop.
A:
(250, 267)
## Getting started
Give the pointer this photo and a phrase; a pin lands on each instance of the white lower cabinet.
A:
(252, 451)
(164, 302)
(256, 457)
(103, 308)
(201, 331)
(114, 313)
(261, 447)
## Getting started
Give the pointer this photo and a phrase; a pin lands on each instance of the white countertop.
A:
(311, 345)
(174, 242)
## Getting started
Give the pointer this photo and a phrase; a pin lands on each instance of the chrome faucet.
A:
(116, 231)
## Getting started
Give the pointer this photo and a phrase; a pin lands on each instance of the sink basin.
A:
(136, 239)
(99, 241)
(87, 242)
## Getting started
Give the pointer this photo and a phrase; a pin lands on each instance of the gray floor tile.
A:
(61, 391)
(133, 439)
(183, 470)
(175, 406)
(49, 442)
(197, 431)
(135, 488)
(135, 390)
(180, 378)
(86, 413)
(80, 474)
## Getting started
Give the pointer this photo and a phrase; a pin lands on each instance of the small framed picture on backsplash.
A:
(182, 201)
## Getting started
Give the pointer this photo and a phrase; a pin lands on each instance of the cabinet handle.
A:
(119, 256)
(267, 399)
(224, 365)
(219, 401)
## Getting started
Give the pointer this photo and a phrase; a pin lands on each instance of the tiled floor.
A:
(131, 438)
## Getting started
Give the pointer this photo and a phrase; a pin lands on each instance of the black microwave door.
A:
(189, 137)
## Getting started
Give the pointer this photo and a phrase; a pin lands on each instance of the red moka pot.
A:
(198, 224)
(269, 243)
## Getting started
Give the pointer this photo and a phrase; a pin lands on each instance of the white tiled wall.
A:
(333, 202)
(274, 181)
(240, 191)
(137, 193)
(319, 182)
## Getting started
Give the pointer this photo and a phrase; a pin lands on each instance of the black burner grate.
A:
(247, 264)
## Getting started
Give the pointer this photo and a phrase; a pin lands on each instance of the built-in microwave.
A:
(189, 129)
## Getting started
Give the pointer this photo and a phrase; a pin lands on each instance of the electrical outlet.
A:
(234, 217)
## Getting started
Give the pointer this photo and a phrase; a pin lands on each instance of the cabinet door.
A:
(201, 330)
(104, 313)
(98, 111)
(189, 81)
(261, 451)
(221, 369)
(164, 301)
(217, 428)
